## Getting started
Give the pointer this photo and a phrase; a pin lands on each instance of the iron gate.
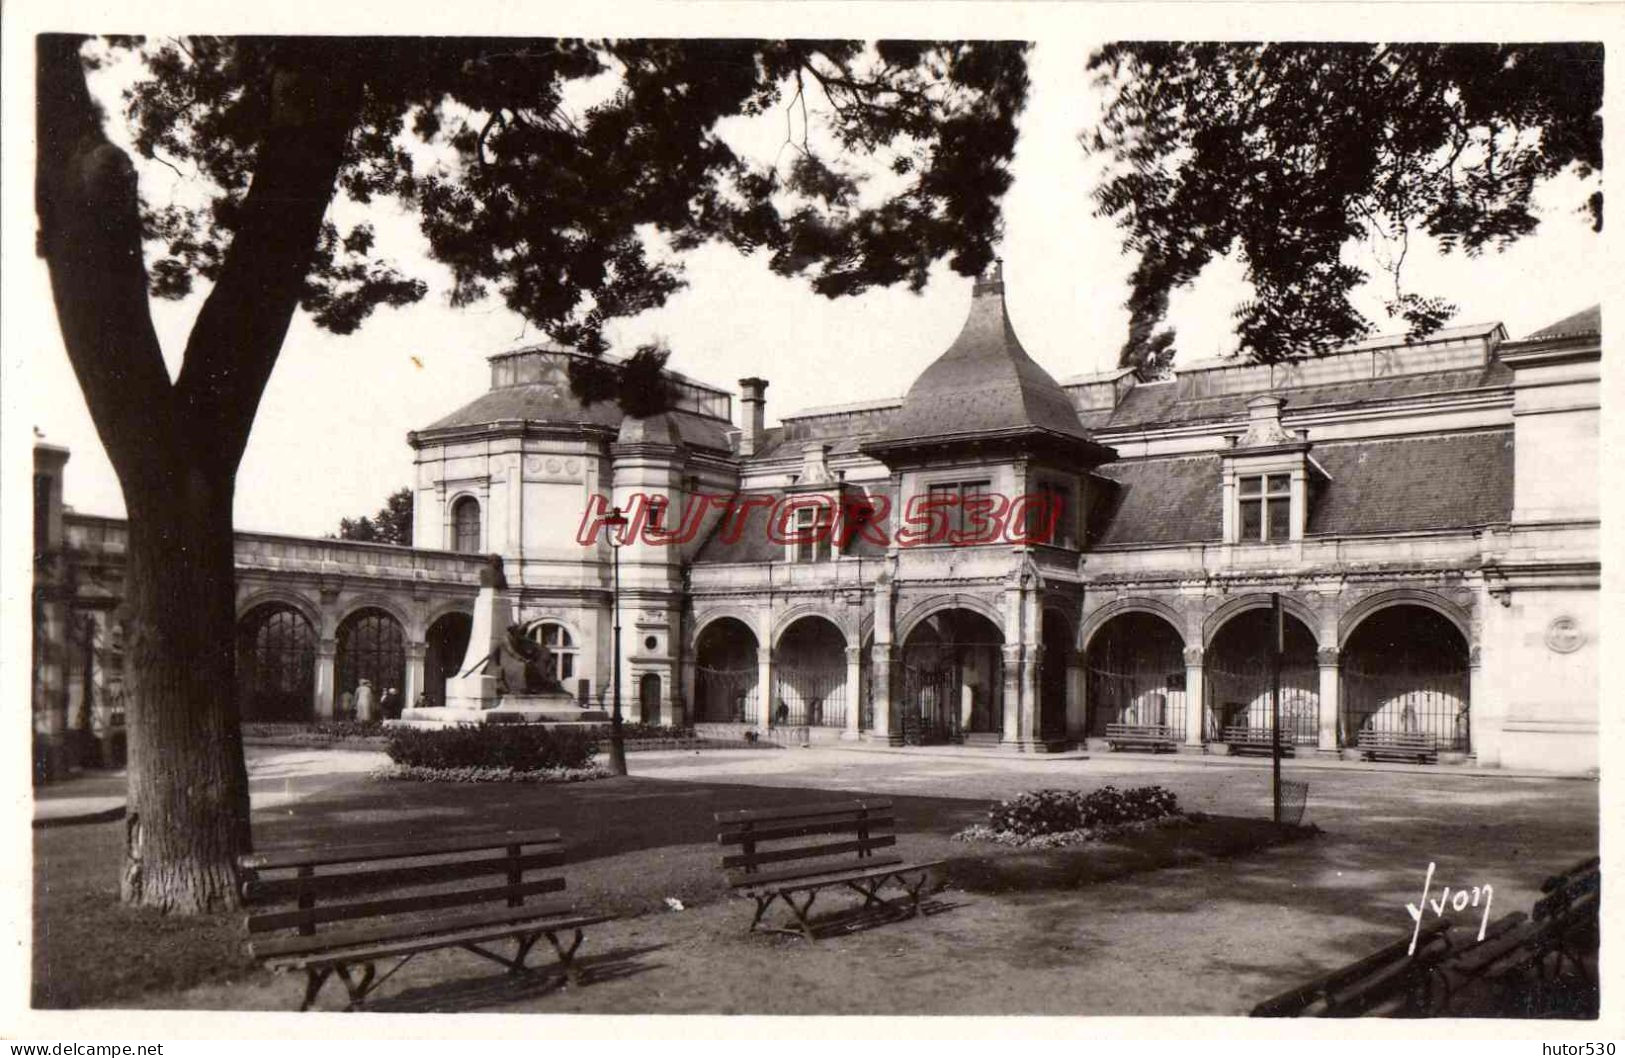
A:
(1143, 698)
(931, 704)
(1399, 702)
(810, 697)
(1238, 695)
(727, 695)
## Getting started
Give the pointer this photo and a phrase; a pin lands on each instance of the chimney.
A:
(753, 398)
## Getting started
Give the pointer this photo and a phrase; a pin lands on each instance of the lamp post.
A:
(615, 521)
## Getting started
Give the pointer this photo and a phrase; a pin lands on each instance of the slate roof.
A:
(753, 544)
(1586, 321)
(551, 403)
(1376, 485)
(1160, 403)
(985, 384)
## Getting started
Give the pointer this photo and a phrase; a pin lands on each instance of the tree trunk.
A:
(187, 817)
(176, 446)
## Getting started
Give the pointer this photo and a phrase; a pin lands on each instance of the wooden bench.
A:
(398, 899)
(1562, 928)
(1155, 737)
(1391, 980)
(846, 836)
(1256, 740)
(1409, 745)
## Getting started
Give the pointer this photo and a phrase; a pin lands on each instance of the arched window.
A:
(276, 664)
(465, 526)
(561, 648)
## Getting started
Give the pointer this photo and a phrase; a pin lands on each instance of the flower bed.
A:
(515, 747)
(1047, 819)
(336, 734)
(481, 773)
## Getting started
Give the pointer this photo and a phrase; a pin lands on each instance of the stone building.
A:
(1426, 512)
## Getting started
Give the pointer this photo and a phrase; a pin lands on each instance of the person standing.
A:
(366, 704)
(390, 704)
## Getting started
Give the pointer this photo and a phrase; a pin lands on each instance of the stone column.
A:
(415, 654)
(1330, 697)
(1195, 698)
(854, 692)
(1486, 751)
(1077, 682)
(326, 677)
(1013, 705)
(766, 700)
(885, 690)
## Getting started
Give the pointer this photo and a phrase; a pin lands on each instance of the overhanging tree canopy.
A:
(574, 214)
(1287, 153)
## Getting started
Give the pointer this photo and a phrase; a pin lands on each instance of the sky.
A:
(330, 439)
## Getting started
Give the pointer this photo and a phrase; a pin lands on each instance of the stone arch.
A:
(937, 603)
(1091, 625)
(1382, 600)
(307, 609)
(445, 609)
(744, 616)
(796, 613)
(530, 624)
(377, 601)
(1259, 600)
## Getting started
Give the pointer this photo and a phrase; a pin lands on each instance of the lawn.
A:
(633, 843)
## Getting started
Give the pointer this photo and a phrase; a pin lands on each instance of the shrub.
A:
(520, 747)
(636, 731)
(1060, 811)
(418, 773)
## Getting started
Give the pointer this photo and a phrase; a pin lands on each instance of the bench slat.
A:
(752, 815)
(316, 857)
(419, 926)
(271, 890)
(1291, 1002)
(839, 826)
(389, 949)
(832, 874)
(803, 852)
(310, 916)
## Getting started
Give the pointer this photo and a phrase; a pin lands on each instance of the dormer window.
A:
(1266, 507)
(812, 541)
(1267, 476)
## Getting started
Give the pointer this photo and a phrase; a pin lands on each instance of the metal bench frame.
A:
(316, 881)
(1422, 747)
(860, 827)
(1241, 739)
(1155, 737)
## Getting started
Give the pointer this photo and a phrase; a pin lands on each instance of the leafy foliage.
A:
(391, 525)
(1041, 812)
(577, 212)
(520, 747)
(1286, 153)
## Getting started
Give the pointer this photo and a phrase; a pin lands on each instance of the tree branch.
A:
(315, 98)
(90, 238)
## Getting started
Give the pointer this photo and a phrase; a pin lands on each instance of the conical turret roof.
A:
(984, 387)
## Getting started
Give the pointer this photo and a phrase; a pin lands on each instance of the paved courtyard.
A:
(1211, 936)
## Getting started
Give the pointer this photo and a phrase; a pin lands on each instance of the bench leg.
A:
(869, 897)
(801, 912)
(358, 989)
(314, 979)
(914, 891)
(567, 956)
(762, 904)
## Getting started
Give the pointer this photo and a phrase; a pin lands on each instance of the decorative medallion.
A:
(1564, 636)
(572, 466)
(554, 466)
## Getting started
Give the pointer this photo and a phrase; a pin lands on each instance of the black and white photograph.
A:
(809, 511)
